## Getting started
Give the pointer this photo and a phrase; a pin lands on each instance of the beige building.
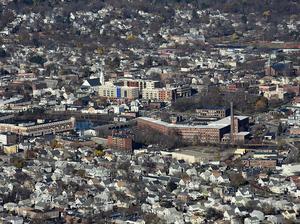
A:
(40, 128)
(12, 149)
(272, 92)
(141, 83)
(110, 90)
(160, 94)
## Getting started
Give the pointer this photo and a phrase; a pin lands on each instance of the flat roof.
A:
(243, 133)
(215, 124)
(213, 108)
(31, 122)
(227, 120)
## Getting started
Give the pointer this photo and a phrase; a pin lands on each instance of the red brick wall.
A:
(211, 135)
(263, 163)
(123, 143)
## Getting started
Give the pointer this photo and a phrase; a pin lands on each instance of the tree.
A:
(251, 205)
(148, 61)
(131, 37)
(3, 53)
(17, 162)
(171, 186)
(81, 173)
(268, 209)
(261, 104)
(237, 180)
(213, 214)
(152, 219)
(115, 62)
(99, 151)
(37, 59)
(280, 129)
(55, 144)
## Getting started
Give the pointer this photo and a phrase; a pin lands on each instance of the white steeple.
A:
(101, 77)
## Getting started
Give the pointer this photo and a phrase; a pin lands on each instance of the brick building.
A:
(260, 163)
(213, 112)
(294, 89)
(234, 87)
(120, 140)
(140, 83)
(211, 133)
(283, 68)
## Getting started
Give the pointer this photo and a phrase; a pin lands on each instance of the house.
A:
(171, 215)
(229, 215)
(14, 220)
(91, 85)
(290, 215)
(275, 219)
(258, 215)
(240, 212)
(244, 192)
(251, 220)
(240, 200)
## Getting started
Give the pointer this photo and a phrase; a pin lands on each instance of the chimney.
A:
(232, 128)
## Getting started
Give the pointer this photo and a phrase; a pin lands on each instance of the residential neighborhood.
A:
(147, 112)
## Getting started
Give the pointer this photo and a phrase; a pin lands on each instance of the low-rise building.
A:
(7, 138)
(213, 112)
(38, 129)
(260, 163)
(272, 92)
(10, 149)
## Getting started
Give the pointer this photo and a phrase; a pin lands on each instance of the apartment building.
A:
(183, 91)
(110, 90)
(120, 140)
(140, 83)
(160, 94)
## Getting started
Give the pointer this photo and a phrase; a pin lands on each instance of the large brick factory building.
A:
(214, 132)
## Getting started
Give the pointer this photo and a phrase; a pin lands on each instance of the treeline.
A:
(149, 136)
(243, 101)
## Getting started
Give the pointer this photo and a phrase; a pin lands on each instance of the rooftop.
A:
(215, 124)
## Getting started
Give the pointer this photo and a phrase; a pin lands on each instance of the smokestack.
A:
(232, 128)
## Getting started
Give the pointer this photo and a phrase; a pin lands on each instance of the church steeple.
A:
(101, 77)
